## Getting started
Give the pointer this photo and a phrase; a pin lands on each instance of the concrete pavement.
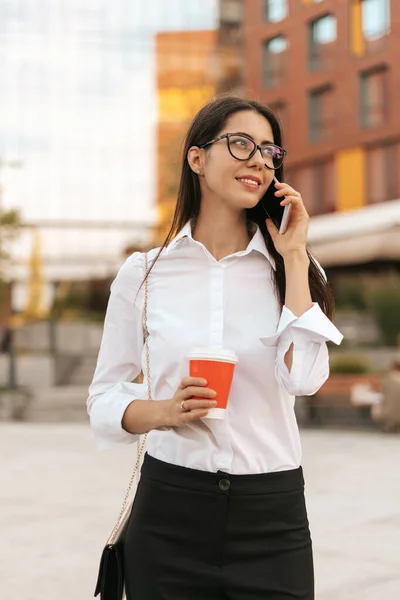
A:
(59, 498)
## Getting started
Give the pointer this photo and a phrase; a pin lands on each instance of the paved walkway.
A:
(59, 498)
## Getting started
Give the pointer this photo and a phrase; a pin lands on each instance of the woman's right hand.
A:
(183, 408)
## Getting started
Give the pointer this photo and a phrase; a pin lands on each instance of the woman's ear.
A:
(194, 157)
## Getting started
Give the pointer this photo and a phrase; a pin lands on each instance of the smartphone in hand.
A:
(278, 214)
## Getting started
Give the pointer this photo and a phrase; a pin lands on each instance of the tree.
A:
(9, 226)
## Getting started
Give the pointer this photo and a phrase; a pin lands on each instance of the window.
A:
(324, 187)
(375, 18)
(370, 23)
(321, 40)
(382, 179)
(231, 11)
(230, 34)
(373, 98)
(316, 184)
(321, 114)
(275, 51)
(275, 10)
(279, 109)
(302, 180)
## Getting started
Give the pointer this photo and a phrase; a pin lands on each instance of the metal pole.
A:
(53, 324)
(12, 378)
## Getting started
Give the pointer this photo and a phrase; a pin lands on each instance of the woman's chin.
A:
(249, 202)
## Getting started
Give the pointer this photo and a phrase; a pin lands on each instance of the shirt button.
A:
(224, 485)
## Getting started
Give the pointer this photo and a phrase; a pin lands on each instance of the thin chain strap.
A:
(145, 329)
(141, 445)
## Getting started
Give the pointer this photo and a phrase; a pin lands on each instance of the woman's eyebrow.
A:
(250, 136)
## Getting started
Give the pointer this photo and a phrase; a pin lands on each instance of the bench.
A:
(333, 401)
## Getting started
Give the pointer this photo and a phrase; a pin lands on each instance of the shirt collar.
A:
(256, 243)
(186, 232)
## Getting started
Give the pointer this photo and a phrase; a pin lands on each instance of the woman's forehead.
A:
(250, 122)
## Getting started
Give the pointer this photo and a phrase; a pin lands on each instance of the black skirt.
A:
(194, 535)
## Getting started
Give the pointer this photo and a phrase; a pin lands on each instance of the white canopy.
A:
(358, 236)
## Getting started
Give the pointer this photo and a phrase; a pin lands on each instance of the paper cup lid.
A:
(222, 354)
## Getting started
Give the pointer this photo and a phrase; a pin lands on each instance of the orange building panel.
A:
(186, 70)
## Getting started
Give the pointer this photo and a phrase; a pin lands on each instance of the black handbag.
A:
(111, 581)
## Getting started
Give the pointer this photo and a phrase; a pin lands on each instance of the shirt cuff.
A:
(313, 323)
(108, 410)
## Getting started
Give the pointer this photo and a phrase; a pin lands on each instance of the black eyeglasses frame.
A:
(252, 153)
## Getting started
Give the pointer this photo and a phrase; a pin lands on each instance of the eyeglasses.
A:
(243, 147)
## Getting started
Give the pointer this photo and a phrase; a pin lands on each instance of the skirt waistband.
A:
(204, 481)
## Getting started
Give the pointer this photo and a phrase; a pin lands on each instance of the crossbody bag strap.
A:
(141, 442)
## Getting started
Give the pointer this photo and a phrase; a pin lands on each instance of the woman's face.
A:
(238, 184)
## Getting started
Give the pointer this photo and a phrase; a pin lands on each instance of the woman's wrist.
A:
(162, 413)
(141, 416)
(298, 295)
(297, 257)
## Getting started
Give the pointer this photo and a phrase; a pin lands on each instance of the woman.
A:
(387, 411)
(219, 511)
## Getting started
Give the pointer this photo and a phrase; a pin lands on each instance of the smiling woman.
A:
(216, 120)
(224, 283)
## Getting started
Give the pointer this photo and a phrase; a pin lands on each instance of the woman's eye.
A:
(241, 143)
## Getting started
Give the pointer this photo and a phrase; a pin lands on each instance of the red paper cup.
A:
(216, 366)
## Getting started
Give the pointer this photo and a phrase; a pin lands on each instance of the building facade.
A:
(186, 71)
(329, 69)
(78, 110)
(230, 46)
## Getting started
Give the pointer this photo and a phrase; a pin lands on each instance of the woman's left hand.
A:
(295, 238)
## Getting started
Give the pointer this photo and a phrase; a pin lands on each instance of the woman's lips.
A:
(253, 187)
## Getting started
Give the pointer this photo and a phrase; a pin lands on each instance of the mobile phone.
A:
(278, 214)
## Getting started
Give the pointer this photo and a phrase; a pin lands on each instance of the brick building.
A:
(328, 68)
(230, 45)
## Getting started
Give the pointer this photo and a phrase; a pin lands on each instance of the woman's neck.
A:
(222, 236)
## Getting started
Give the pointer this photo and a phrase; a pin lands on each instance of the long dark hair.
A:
(206, 125)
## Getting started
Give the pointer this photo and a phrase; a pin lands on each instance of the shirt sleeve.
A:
(120, 358)
(308, 334)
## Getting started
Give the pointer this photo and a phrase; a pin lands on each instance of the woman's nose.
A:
(258, 159)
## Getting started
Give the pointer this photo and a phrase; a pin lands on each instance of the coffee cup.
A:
(216, 366)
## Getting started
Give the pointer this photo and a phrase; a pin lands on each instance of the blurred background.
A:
(95, 98)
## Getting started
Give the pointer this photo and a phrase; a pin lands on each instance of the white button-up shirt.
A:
(195, 300)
